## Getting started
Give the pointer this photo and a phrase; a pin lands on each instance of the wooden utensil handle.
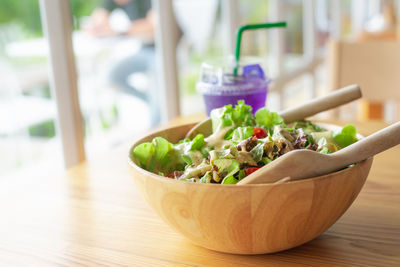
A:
(332, 100)
(373, 144)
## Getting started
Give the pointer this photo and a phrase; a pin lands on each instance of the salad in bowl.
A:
(239, 145)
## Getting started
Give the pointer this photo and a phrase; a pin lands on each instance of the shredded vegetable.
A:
(240, 144)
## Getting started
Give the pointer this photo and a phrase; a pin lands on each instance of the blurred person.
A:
(142, 27)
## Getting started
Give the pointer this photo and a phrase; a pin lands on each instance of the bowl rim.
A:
(169, 180)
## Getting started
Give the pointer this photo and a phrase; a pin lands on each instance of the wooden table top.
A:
(93, 215)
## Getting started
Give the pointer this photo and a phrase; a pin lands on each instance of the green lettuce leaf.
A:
(186, 140)
(257, 152)
(221, 117)
(187, 159)
(327, 145)
(241, 175)
(268, 119)
(206, 178)
(197, 142)
(143, 153)
(325, 150)
(229, 134)
(158, 156)
(162, 147)
(242, 115)
(230, 180)
(228, 153)
(345, 137)
(266, 160)
(227, 116)
(191, 180)
(227, 167)
(307, 126)
(242, 133)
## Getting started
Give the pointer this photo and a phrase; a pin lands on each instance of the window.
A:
(28, 136)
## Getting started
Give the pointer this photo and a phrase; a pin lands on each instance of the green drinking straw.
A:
(251, 27)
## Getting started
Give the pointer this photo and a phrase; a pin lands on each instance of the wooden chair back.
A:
(375, 66)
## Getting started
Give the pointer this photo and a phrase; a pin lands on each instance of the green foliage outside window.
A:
(26, 14)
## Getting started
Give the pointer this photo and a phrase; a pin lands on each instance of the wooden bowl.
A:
(249, 219)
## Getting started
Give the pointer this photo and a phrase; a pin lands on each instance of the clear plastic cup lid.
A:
(216, 79)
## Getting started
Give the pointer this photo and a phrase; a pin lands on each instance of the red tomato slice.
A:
(259, 133)
(250, 170)
(171, 175)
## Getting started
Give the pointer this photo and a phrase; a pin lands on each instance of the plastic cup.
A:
(220, 87)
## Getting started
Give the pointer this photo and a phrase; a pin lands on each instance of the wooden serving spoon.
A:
(300, 164)
(317, 105)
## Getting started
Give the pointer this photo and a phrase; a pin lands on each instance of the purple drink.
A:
(223, 89)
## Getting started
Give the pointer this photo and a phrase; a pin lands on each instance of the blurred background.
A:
(117, 75)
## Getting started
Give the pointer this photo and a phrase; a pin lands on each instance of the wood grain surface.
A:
(93, 215)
